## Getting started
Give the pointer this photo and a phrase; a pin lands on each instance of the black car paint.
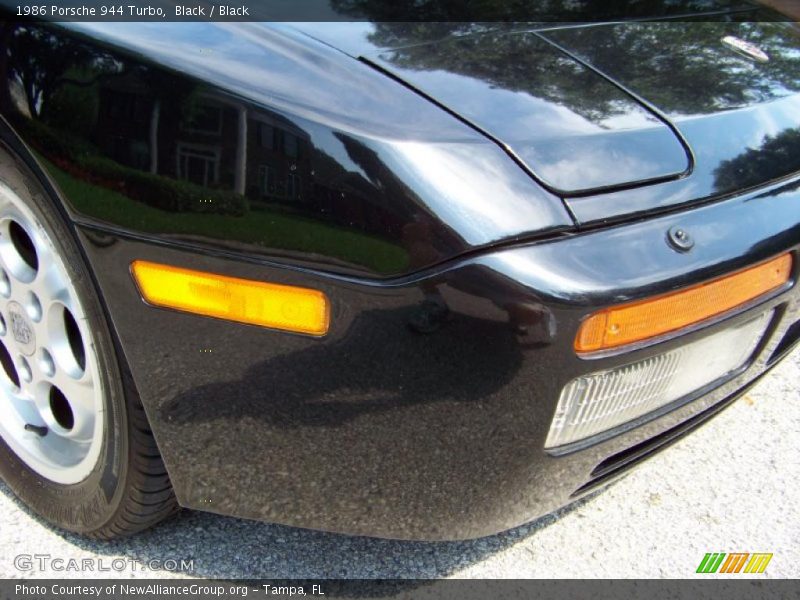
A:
(573, 129)
(383, 214)
(423, 413)
(381, 429)
(564, 99)
(740, 118)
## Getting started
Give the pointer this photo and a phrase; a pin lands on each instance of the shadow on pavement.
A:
(225, 547)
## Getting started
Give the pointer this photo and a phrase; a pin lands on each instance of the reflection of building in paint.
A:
(199, 146)
(122, 121)
(222, 144)
(216, 141)
(279, 159)
(203, 148)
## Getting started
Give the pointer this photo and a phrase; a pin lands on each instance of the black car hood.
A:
(608, 111)
(739, 113)
(573, 129)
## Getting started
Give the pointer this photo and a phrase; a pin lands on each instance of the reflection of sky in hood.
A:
(686, 70)
(272, 66)
(723, 144)
(472, 186)
(730, 134)
(525, 114)
(566, 149)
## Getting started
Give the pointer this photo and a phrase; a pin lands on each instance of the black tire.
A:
(129, 489)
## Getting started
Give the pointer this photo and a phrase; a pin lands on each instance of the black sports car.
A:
(389, 277)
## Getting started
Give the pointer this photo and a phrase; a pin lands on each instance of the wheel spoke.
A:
(50, 284)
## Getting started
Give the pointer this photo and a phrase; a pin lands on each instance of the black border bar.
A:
(711, 587)
(509, 11)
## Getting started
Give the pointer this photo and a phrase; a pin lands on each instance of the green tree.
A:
(776, 156)
(39, 58)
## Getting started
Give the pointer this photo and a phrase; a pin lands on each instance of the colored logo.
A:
(734, 562)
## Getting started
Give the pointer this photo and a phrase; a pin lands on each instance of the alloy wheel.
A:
(50, 396)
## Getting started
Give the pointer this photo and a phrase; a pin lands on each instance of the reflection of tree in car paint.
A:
(673, 58)
(484, 51)
(163, 139)
(774, 156)
(409, 15)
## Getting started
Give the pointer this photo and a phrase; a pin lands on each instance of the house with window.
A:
(222, 143)
(279, 160)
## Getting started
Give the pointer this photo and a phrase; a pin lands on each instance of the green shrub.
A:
(52, 142)
(163, 192)
(83, 160)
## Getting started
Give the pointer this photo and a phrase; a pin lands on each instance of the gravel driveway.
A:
(731, 486)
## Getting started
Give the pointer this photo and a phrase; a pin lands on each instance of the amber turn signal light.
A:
(645, 319)
(253, 302)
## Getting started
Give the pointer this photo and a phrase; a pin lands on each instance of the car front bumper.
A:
(423, 414)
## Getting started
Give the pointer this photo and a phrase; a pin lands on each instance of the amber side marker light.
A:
(645, 319)
(253, 302)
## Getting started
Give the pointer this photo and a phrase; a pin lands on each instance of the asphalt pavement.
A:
(731, 486)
